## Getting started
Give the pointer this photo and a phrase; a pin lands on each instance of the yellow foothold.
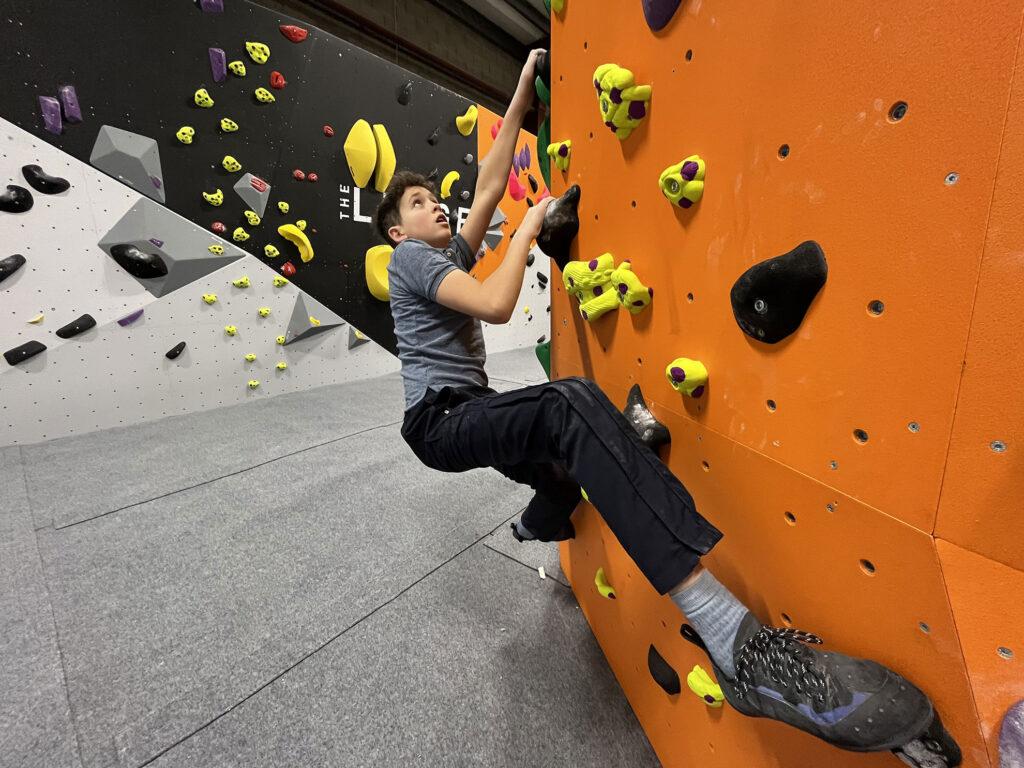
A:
(253, 218)
(360, 334)
(214, 198)
(228, 125)
(242, 282)
(583, 493)
(185, 134)
(301, 224)
(446, 184)
(265, 96)
(203, 99)
(36, 320)
(210, 298)
(279, 281)
(215, 249)
(239, 235)
(313, 321)
(237, 68)
(293, 234)
(282, 365)
(606, 589)
(283, 207)
(280, 340)
(253, 383)
(271, 251)
(386, 161)
(251, 357)
(702, 684)
(687, 376)
(264, 311)
(230, 330)
(376, 267)
(230, 164)
(467, 122)
(258, 52)
(361, 152)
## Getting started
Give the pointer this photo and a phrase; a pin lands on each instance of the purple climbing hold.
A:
(212, 6)
(218, 64)
(10, 265)
(156, 182)
(598, 290)
(69, 100)
(685, 202)
(563, 150)
(689, 170)
(50, 108)
(623, 288)
(157, 242)
(698, 391)
(1011, 738)
(678, 374)
(659, 12)
(592, 264)
(637, 110)
(527, 158)
(515, 164)
(129, 319)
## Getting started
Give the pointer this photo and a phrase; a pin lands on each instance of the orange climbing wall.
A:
(932, 380)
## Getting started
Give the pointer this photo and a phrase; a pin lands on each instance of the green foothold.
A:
(543, 139)
(542, 90)
(547, 4)
(543, 352)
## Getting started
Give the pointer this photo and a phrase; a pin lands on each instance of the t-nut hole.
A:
(771, 406)
(868, 567)
(1005, 652)
(860, 436)
(790, 518)
(707, 467)
(897, 111)
(689, 54)
(923, 626)
(784, 151)
(786, 620)
(689, 297)
(876, 308)
(584, 45)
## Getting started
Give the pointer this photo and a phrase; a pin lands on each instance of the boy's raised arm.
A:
(493, 176)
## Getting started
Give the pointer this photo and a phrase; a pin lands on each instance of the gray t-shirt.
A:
(436, 344)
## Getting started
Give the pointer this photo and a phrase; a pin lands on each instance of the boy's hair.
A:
(387, 214)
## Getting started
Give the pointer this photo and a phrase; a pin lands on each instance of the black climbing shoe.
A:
(854, 704)
(567, 531)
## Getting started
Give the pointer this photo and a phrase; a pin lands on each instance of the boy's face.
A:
(422, 218)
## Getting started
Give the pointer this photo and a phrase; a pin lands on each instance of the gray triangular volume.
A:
(497, 219)
(493, 239)
(130, 158)
(301, 327)
(254, 191)
(355, 338)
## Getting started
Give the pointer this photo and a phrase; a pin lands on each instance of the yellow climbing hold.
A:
(282, 365)
(251, 357)
(361, 152)
(687, 376)
(280, 340)
(203, 98)
(215, 249)
(271, 251)
(557, 5)
(446, 184)
(301, 224)
(253, 218)
(264, 311)
(265, 96)
(559, 152)
(185, 134)
(386, 162)
(228, 125)
(242, 282)
(36, 320)
(603, 587)
(237, 68)
(623, 103)
(258, 52)
(683, 183)
(377, 259)
(283, 207)
(230, 164)
(467, 122)
(293, 234)
(230, 330)
(239, 235)
(253, 383)
(702, 684)
(215, 198)
(279, 281)
(631, 293)
(210, 298)
(313, 321)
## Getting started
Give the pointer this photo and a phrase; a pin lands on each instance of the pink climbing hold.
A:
(515, 189)
(328, 131)
(312, 177)
(495, 128)
(299, 175)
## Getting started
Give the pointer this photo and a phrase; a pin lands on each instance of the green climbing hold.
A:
(542, 90)
(543, 140)
(544, 356)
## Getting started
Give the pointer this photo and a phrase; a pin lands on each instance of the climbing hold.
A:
(242, 282)
(603, 587)
(69, 101)
(433, 138)
(515, 189)
(1011, 737)
(468, 159)
(376, 268)
(239, 235)
(75, 327)
(683, 183)
(16, 199)
(560, 226)
(230, 330)
(313, 321)
(651, 432)
(228, 125)
(279, 281)
(543, 92)
(293, 33)
(312, 177)
(386, 161)
(301, 224)
(264, 96)
(687, 376)
(253, 384)
(281, 366)
(40, 181)
(702, 684)
(202, 99)
(288, 268)
(50, 108)
(137, 263)
(218, 227)
(264, 311)
(250, 357)
(230, 164)
(524, 157)
(212, 6)
(293, 234)
(237, 68)
(22, 353)
(467, 122)
(39, 318)
(129, 318)
(600, 303)
(277, 80)
(464, 194)
(631, 293)
(560, 153)
(533, 183)
(280, 340)
(210, 298)
(258, 52)
(662, 672)
(216, 249)
(434, 173)
(185, 134)
(623, 103)
(405, 93)
(361, 152)
(298, 174)
(218, 64)
(283, 207)
(10, 265)
(253, 218)
(328, 131)
(543, 141)
(584, 279)
(271, 251)
(446, 185)
(659, 12)
(215, 198)
(174, 351)
(770, 299)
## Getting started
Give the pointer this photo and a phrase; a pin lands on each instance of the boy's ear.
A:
(396, 233)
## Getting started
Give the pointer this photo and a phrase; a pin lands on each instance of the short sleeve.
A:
(420, 267)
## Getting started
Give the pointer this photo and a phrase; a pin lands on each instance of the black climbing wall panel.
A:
(136, 65)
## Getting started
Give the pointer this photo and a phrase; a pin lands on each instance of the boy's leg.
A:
(546, 517)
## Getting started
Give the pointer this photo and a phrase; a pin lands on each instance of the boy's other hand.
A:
(533, 219)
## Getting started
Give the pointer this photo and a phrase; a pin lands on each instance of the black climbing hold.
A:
(543, 336)
(433, 138)
(542, 279)
(533, 183)
(175, 351)
(662, 672)
(16, 199)
(659, 12)
(10, 265)
(75, 327)
(137, 263)
(652, 432)
(24, 352)
(405, 93)
(529, 257)
(689, 633)
(432, 176)
(770, 299)
(529, 203)
(41, 181)
(560, 226)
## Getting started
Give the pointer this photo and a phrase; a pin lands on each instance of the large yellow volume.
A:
(386, 161)
(377, 260)
(361, 152)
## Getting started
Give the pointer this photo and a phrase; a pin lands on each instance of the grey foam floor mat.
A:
(532, 554)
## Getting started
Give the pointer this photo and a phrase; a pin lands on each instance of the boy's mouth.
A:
(441, 219)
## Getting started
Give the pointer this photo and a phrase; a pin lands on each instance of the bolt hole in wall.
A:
(897, 111)
(1004, 652)
(771, 406)
(876, 308)
(790, 518)
(786, 620)
(784, 151)
(868, 567)
(689, 54)
(860, 436)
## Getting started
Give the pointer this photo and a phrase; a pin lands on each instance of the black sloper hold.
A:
(24, 352)
(176, 350)
(529, 258)
(662, 672)
(405, 93)
(770, 299)
(652, 432)
(433, 138)
(43, 182)
(75, 327)
(16, 199)
(137, 263)
(10, 265)
(560, 226)
(533, 183)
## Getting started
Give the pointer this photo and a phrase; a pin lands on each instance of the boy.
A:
(563, 434)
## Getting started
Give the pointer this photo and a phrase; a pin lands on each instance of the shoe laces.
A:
(782, 655)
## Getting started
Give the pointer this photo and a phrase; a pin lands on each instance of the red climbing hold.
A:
(312, 177)
(277, 80)
(328, 131)
(258, 184)
(288, 268)
(218, 227)
(293, 33)
(299, 175)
